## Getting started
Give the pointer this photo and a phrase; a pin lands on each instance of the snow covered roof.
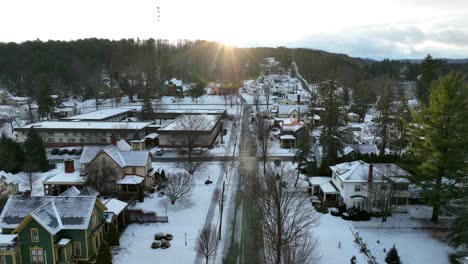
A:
(73, 212)
(71, 192)
(9, 178)
(63, 242)
(210, 120)
(152, 136)
(365, 148)
(291, 124)
(99, 114)
(287, 109)
(127, 158)
(122, 145)
(89, 191)
(48, 217)
(328, 188)
(122, 158)
(319, 180)
(358, 171)
(115, 206)
(66, 178)
(7, 240)
(131, 179)
(88, 125)
(288, 137)
(174, 81)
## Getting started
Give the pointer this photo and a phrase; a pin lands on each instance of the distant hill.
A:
(449, 61)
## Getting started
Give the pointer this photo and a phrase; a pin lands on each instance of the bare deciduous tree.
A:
(220, 197)
(207, 242)
(191, 166)
(190, 126)
(262, 133)
(178, 185)
(383, 194)
(267, 92)
(31, 175)
(99, 173)
(286, 218)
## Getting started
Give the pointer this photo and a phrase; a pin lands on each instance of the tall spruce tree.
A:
(428, 75)
(386, 119)
(392, 256)
(11, 155)
(441, 140)
(402, 121)
(333, 122)
(147, 110)
(35, 152)
(104, 255)
(363, 96)
(113, 237)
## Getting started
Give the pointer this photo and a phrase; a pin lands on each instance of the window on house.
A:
(82, 140)
(60, 140)
(51, 140)
(37, 255)
(77, 249)
(34, 235)
(134, 170)
(2, 259)
(357, 188)
(66, 133)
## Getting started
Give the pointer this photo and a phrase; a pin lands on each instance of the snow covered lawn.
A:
(336, 243)
(186, 216)
(414, 246)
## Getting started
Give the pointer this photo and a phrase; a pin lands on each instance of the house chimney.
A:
(113, 140)
(370, 177)
(69, 165)
(298, 99)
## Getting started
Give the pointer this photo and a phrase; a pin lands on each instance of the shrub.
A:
(113, 237)
(104, 255)
(169, 237)
(141, 195)
(335, 212)
(155, 244)
(165, 244)
(321, 208)
(392, 256)
(159, 236)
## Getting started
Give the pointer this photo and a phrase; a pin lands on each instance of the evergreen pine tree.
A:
(303, 153)
(353, 260)
(440, 140)
(35, 152)
(428, 75)
(363, 96)
(392, 256)
(385, 120)
(403, 118)
(104, 255)
(113, 238)
(11, 155)
(333, 122)
(147, 111)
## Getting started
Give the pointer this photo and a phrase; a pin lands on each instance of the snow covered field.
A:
(336, 243)
(186, 217)
(414, 246)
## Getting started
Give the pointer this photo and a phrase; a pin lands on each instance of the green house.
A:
(51, 229)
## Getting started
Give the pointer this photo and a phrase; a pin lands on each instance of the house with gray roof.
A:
(51, 229)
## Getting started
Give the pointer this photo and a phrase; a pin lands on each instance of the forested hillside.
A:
(79, 67)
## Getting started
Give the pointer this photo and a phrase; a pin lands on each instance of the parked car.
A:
(72, 152)
(79, 151)
(62, 152)
(158, 151)
(197, 151)
(54, 151)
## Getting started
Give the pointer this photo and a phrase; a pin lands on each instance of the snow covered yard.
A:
(186, 216)
(414, 246)
(336, 243)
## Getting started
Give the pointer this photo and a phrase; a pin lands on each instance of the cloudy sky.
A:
(365, 28)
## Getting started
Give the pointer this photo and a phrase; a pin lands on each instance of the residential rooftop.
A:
(100, 114)
(83, 125)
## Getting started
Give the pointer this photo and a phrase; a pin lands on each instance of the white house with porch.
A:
(352, 179)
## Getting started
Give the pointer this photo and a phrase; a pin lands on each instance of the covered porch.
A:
(128, 186)
(325, 191)
(287, 141)
(63, 251)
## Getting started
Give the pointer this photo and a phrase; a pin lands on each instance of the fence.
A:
(140, 216)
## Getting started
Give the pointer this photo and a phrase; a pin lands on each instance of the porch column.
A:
(324, 198)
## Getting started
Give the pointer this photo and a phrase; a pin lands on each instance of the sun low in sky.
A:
(365, 28)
